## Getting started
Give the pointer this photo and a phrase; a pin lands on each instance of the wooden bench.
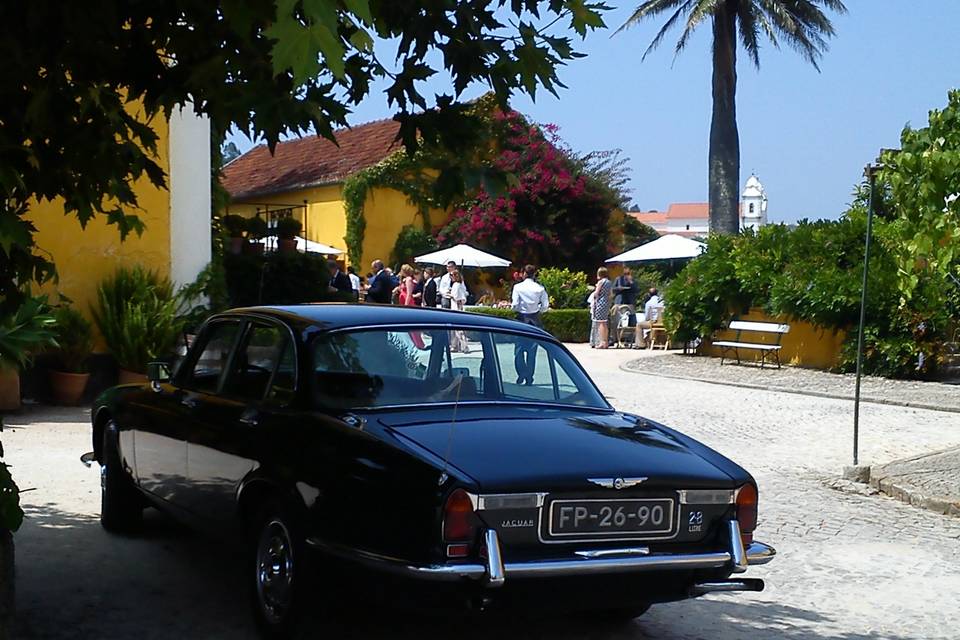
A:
(754, 327)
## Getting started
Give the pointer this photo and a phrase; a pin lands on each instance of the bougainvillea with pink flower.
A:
(550, 212)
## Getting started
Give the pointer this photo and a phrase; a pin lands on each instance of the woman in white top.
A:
(458, 291)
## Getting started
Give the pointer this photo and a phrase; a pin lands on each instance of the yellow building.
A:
(176, 242)
(305, 178)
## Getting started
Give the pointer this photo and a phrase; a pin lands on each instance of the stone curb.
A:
(801, 392)
(905, 493)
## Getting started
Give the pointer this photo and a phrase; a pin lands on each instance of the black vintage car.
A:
(463, 455)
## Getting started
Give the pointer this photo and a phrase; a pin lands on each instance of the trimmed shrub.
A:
(567, 289)
(566, 325)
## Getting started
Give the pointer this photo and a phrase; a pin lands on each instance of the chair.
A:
(657, 330)
(622, 314)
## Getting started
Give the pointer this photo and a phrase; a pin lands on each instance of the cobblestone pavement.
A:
(931, 481)
(851, 566)
(924, 395)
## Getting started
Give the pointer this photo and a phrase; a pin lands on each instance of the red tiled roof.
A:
(689, 210)
(310, 161)
(649, 217)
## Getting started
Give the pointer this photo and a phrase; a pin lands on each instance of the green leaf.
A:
(361, 9)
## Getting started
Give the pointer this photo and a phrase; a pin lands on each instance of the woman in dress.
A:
(458, 299)
(601, 307)
(407, 286)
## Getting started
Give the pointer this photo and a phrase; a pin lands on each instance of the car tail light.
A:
(747, 511)
(459, 522)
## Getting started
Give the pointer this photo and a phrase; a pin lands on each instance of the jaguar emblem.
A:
(617, 483)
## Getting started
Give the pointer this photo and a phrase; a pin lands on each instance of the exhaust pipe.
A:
(744, 584)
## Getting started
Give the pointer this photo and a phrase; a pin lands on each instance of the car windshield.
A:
(394, 367)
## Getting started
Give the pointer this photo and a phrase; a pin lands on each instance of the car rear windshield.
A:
(396, 367)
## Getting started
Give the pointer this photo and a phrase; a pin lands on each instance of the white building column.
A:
(189, 183)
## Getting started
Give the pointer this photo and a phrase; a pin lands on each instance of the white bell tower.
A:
(753, 205)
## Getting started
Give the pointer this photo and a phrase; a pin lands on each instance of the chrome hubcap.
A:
(275, 570)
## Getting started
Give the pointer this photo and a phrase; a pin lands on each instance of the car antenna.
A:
(453, 422)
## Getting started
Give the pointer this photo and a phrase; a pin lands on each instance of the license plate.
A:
(638, 516)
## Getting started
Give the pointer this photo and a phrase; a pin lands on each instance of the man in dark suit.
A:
(381, 285)
(339, 281)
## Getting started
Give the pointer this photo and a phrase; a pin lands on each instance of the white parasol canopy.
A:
(307, 245)
(465, 256)
(666, 247)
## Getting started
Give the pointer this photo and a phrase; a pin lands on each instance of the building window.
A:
(751, 207)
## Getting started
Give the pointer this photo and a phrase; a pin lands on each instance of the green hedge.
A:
(566, 325)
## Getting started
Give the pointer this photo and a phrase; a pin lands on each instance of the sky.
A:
(807, 135)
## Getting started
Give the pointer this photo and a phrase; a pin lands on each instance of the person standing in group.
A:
(407, 287)
(458, 291)
(445, 284)
(625, 289)
(601, 308)
(380, 285)
(339, 281)
(530, 300)
(354, 282)
(429, 298)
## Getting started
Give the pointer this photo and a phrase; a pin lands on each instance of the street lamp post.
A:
(870, 172)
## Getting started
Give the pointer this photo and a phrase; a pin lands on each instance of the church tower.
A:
(753, 205)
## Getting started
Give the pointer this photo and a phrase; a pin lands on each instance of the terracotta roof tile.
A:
(649, 217)
(689, 210)
(310, 161)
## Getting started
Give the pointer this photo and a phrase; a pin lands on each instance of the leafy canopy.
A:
(83, 80)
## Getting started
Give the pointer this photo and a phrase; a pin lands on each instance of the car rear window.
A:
(398, 367)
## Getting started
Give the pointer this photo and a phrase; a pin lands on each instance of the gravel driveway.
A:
(851, 566)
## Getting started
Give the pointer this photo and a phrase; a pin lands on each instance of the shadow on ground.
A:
(77, 581)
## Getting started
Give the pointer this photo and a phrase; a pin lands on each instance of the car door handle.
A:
(190, 402)
(250, 418)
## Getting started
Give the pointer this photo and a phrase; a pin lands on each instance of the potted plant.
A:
(138, 315)
(30, 327)
(256, 231)
(287, 231)
(69, 376)
(235, 226)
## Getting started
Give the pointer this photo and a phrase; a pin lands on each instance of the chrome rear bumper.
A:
(495, 571)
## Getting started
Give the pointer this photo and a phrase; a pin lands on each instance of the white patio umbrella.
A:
(667, 247)
(305, 245)
(464, 255)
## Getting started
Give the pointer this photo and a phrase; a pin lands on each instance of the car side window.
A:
(256, 363)
(526, 369)
(214, 353)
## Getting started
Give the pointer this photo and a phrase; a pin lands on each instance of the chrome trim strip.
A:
(442, 572)
(737, 552)
(707, 496)
(495, 571)
(546, 568)
(599, 553)
(759, 553)
(495, 501)
(746, 584)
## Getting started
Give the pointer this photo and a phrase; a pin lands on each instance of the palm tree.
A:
(800, 23)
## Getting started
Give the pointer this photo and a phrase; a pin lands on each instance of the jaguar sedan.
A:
(463, 458)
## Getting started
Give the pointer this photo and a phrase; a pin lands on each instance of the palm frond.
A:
(750, 30)
(703, 10)
(802, 24)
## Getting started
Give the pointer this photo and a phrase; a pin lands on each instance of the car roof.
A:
(332, 316)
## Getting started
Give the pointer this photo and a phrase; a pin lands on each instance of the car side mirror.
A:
(157, 372)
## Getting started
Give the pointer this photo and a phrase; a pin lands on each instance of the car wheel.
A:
(121, 508)
(279, 572)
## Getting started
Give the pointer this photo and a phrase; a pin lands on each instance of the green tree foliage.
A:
(84, 80)
(801, 24)
(411, 242)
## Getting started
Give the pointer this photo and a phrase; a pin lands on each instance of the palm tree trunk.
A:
(724, 138)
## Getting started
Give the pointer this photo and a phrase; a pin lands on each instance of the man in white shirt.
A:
(529, 301)
(446, 284)
(651, 313)
(354, 282)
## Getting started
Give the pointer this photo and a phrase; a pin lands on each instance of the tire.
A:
(280, 572)
(121, 508)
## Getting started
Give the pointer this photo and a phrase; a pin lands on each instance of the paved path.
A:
(851, 566)
(909, 393)
(931, 480)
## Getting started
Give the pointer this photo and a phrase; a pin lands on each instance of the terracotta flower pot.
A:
(131, 377)
(287, 245)
(68, 388)
(9, 389)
